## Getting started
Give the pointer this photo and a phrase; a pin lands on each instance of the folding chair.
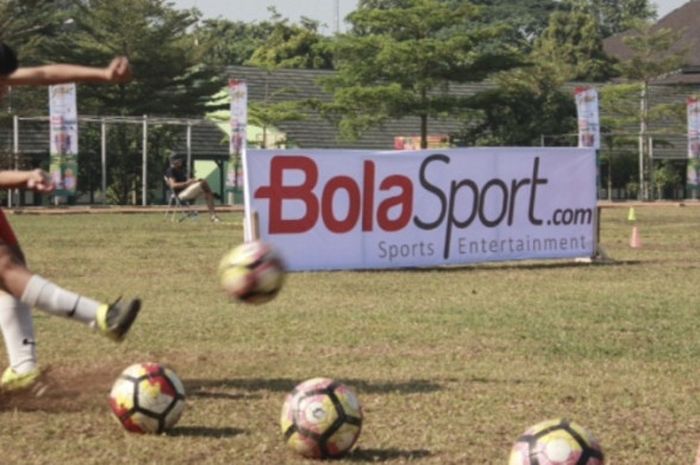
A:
(178, 209)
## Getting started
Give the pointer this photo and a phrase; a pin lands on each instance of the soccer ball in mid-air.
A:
(321, 418)
(147, 398)
(253, 272)
(556, 442)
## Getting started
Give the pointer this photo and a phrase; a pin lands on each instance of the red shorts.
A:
(7, 235)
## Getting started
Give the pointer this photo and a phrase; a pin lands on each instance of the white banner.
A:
(588, 117)
(346, 209)
(238, 91)
(693, 146)
(63, 131)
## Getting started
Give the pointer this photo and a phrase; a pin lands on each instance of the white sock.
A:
(50, 298)
(18, 332)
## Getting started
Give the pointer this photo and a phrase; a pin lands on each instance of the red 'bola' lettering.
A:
(360, 199)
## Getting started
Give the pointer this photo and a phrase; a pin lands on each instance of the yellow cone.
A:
(631, 216)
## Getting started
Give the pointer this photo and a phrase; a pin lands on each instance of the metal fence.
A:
(660, 173)
(24, 144)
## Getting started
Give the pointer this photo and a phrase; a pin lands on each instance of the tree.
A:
(573, 42)
(650, 58)
(288, 46)
(525, 19)
(666, 177)
(524, 105)
(30, 22)
(615, 16)
(230, 43)
(293, 46)
(170, 77)
(26, 25)
(401, 57)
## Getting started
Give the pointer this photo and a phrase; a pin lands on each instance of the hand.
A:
(118, 71)
(40, 181)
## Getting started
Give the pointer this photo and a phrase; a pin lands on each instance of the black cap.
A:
(8, 60)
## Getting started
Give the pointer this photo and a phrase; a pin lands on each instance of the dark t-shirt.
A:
(178, 175)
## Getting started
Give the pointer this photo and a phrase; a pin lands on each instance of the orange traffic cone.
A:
(635, 240)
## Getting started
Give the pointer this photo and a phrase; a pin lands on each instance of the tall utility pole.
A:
(337, 16)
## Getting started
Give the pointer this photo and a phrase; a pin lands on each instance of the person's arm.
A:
(118, 71)
(175, 185)
(38, 180)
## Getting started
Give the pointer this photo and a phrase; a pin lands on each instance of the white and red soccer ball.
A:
(147, 398)
(253, 272)
(556, 442)
(321, 418)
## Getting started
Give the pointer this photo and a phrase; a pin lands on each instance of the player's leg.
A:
(18, 333)
(198, 189)
(112, 320)
(209, 196)
(191, 192)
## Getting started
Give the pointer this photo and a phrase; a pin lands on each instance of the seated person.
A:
(188, 189)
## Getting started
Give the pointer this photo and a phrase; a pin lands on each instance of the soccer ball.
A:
(147, 398)
(556, 442)
(253, 272)
(321, 418)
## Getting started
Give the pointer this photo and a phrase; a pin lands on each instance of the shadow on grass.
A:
(205, 432)
(286, 385)
(527, 265)
(385, 455)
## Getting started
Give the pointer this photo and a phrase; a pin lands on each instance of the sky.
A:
(246, 10)
(321, 10)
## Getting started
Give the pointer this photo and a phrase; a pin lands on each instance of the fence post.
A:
(189, 149)
(144, 166)
(15, 152)
(652, 170)
(103, 158)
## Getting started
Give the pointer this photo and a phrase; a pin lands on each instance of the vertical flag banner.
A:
(588, 117)
(693, 181)
(238, 91)
(63, 131)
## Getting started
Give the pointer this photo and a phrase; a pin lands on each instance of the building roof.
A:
(316, 132)
(210, 142)
(682, 19)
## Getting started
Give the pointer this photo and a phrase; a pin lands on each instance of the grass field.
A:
(450, 365)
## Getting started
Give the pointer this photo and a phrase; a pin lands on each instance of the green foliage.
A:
(402, 56)
(524, 105)
(230, 43)
(28, 25)
(666, 178)
(628, 103)
(651, 57)
(25, 24)
(572, 42)
(170, 77)
(525, 19)
(293, 46)
(615, 16)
